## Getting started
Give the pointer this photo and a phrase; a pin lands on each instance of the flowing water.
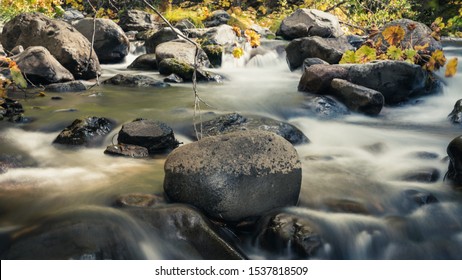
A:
(358, 159)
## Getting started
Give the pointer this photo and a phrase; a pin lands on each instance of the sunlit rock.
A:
(234, 176)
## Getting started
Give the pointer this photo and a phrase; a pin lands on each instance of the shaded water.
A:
(358, 159)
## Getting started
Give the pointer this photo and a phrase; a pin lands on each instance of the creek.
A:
(355, 159)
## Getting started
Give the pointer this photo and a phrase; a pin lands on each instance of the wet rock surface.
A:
(87, 132)
(72, 86)
(155, 136)
(456, 114)
(234, 176)
(289, 233)
(317, 79)
(127, 151)
(139, 200)
(144, 62)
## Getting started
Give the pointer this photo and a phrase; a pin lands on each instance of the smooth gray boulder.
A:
(181, 50)
(217, 18)
(72, 86)
(162, 35)
(309, 22)
(146, 61)
(219, 35)
(40, 67)
(234, 176)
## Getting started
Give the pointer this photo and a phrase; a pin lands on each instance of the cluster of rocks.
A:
(318, 44)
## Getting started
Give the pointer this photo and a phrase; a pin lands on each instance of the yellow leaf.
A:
(253, 37)
(17, 76)
(41, 94)
(421, 47)
(393, 34)
(237, 30)
(238, 52)
(439, 58)
(451, 67)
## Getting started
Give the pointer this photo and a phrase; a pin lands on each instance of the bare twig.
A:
(197, 99)
(354, 26)
(336, 6)
(92, 40)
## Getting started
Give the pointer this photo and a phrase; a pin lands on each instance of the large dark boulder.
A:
(358, 98)
(66, 44)
(186, 227)
(127, 80)
(416, 34)
(136, 20)
(309, 22)
(330, 50)
(294, 236)
(85, 132)
(181, 50)
(234, 176)
(156, 136)
(317, 78)
(398, 81)
(235, 122)
(40, 67)
(111, 44)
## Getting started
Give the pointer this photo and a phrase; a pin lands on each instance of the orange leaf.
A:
(393, 34)
(451, 67)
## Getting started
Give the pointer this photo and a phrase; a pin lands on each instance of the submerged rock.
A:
(72, 86)
(66, 44)
(288, 234)
(187, 228)
(110, 43)
(81, 235)
(126, 80)
(155, 136)
(85, 132)
(11, 109)
(427, 175)
(234, 176)
(139, 200)
(323, 107)
(235, 122)
(40, 67)
(309, 22)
